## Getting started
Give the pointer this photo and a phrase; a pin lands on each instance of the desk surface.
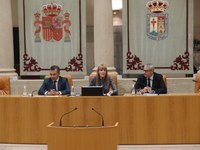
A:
(163, 119)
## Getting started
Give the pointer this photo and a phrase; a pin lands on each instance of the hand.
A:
(110, 93)
(53, 92)
(146, 90)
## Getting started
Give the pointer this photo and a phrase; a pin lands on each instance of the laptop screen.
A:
(92, 91)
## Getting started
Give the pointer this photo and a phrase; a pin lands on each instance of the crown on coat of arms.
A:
(157, 6)
(37, 14)
(67, 14)
(52, 9)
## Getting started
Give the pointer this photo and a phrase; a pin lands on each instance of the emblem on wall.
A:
(55, 26)
(157, 20)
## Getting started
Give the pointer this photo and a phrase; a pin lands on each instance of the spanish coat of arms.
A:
(53, 24)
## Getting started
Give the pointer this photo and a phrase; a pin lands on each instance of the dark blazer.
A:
(158, 84)
(63, 86)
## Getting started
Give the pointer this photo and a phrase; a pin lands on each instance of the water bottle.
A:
(24, 91)
(133, 89)
(72, 91)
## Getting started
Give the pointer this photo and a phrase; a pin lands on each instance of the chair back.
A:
(165, 79)
(4, 85)
(69, 78)
(197, 83)
(113, 76)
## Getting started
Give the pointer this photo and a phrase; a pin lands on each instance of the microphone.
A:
(195, 81)
(33, 92)
(135, 81)
(140, 83)
(102, 123)
(66, 114)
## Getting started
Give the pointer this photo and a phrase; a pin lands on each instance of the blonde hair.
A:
(102, 67)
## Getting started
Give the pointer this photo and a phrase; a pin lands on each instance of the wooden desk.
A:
(164, 119)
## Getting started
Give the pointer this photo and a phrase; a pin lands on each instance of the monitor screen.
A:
(92, 91)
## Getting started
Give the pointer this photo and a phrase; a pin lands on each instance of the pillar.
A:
(103, 34)
(6, 40)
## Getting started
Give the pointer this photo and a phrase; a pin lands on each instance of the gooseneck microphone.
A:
(196, 81)
(135, 81)
(33, 92)
(102, 122)
(139, 83)
(66, 114)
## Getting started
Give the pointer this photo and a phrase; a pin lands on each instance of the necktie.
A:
(148, 82)
(54, 85)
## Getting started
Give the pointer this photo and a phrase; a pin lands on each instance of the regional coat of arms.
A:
(54, 26)
(157, 20)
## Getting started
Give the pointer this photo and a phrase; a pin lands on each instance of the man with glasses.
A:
(150, 82)
(55, 85)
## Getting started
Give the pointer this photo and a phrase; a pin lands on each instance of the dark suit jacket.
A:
(63, 86)
(158, 84)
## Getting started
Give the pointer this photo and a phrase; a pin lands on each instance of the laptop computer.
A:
(92, 91)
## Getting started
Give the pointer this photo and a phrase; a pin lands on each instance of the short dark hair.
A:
(54, 67)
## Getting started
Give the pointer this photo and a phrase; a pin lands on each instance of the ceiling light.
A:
(116, 4)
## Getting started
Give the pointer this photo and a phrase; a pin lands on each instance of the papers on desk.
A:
(149, 94)
(146, 94)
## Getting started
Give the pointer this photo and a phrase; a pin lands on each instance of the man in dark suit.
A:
(55, 85)
(150, 82)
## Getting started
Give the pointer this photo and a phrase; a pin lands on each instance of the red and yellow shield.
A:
(52, 28)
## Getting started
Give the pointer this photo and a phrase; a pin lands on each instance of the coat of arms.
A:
(52, 24)
(157, 20)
